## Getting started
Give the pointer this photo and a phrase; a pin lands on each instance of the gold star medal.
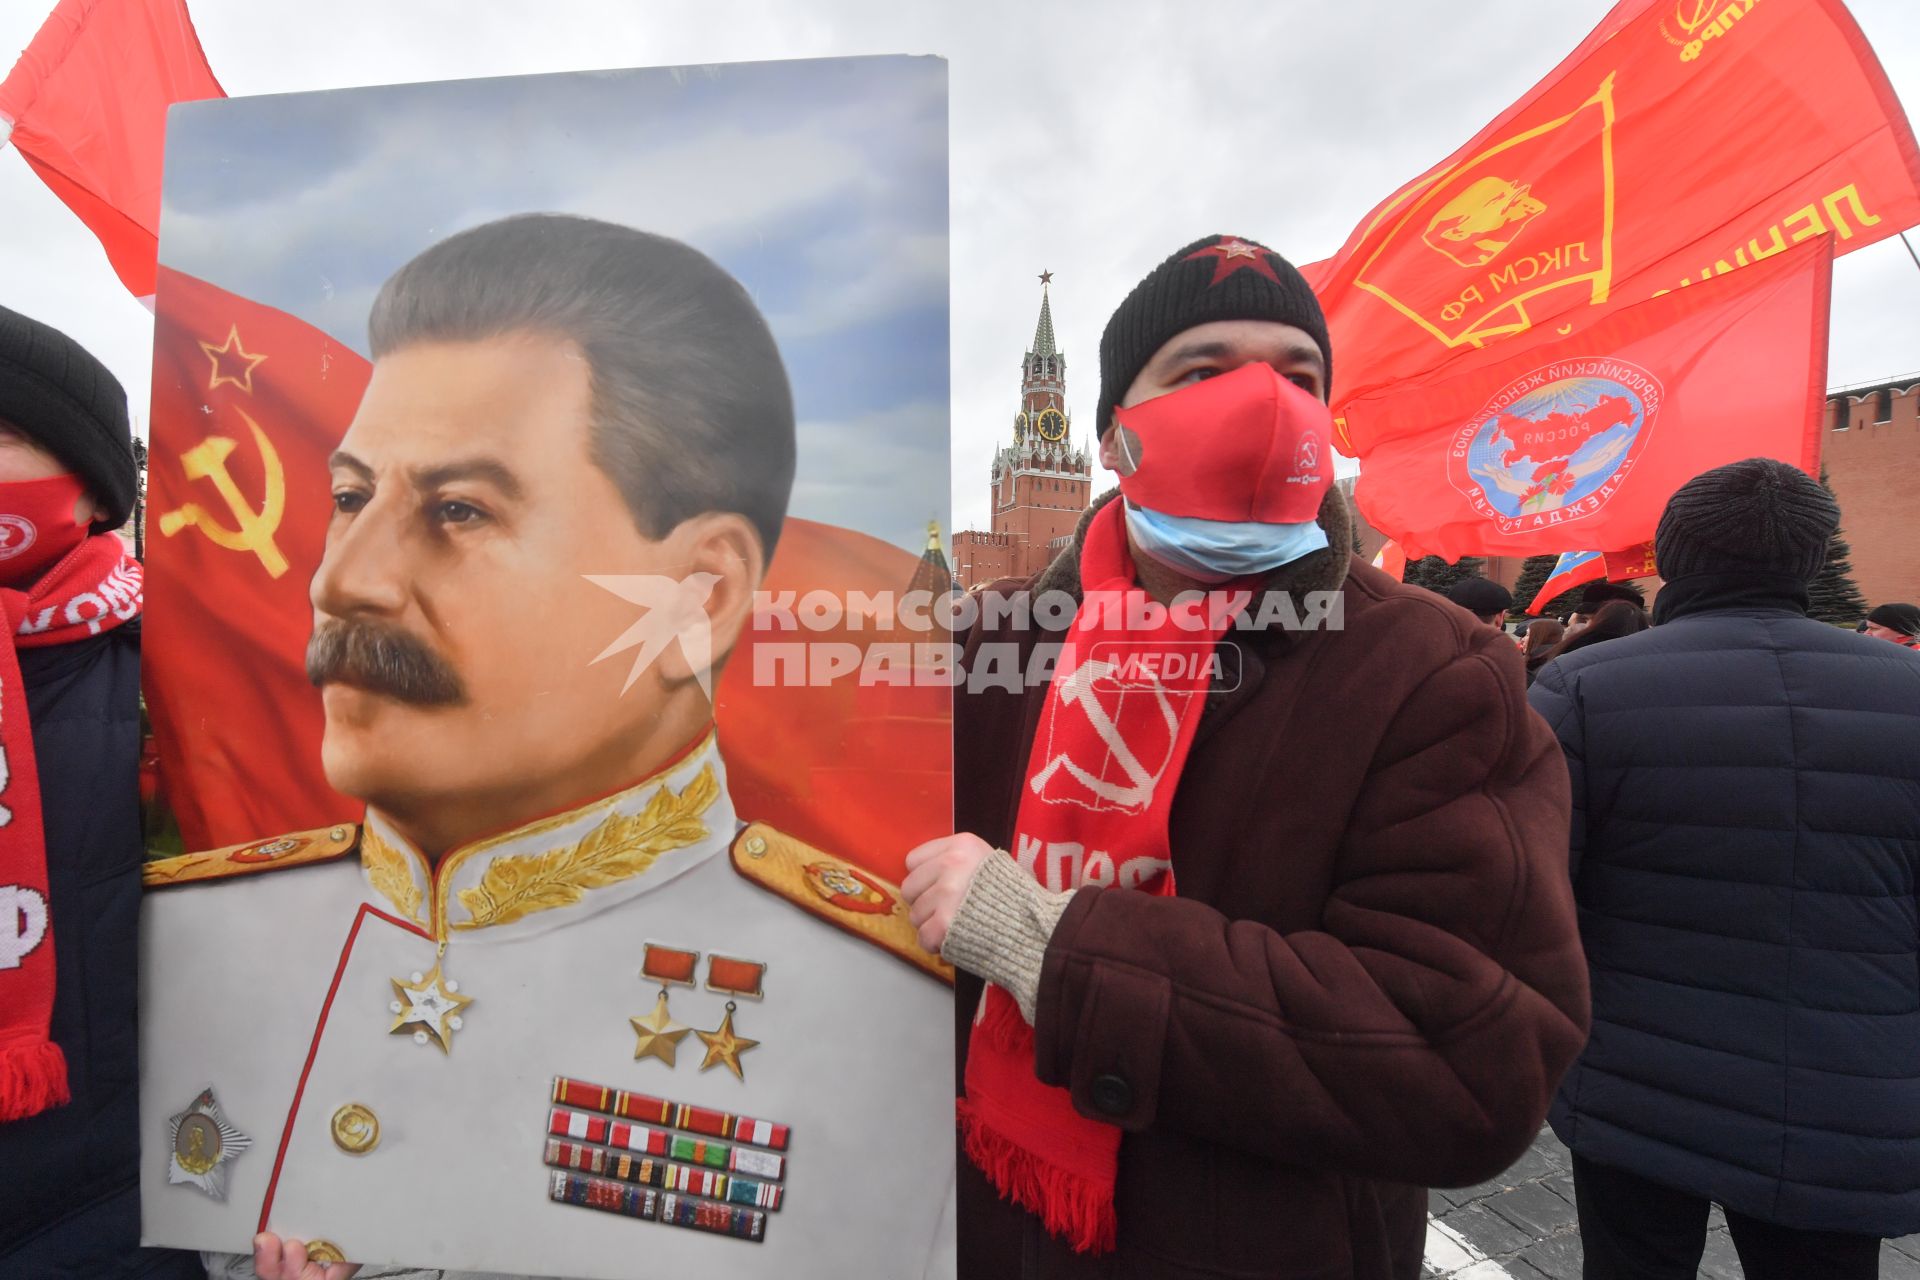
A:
(430, 1004)
(203, 1145)
(723, 1047)
(659, 1035)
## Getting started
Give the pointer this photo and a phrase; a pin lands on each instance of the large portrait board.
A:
(538, 466)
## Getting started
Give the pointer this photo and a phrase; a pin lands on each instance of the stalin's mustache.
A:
(384, 660)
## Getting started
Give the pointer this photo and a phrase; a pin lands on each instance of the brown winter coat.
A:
(1370, 980)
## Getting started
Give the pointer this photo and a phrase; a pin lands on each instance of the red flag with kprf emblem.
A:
(1682, 140)
(87, 104)
(1545, 441)
(248, 403)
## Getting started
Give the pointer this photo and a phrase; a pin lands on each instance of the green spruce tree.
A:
(1533, 575)
(1437, 575)
(1834, 596)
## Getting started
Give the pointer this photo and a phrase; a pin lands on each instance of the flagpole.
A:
(1910, 252)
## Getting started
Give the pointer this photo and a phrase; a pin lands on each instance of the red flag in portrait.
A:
(1682, 140)
(88, 105)
(248, 402)
(1548, 440)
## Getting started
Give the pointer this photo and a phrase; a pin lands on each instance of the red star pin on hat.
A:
(1234, 254)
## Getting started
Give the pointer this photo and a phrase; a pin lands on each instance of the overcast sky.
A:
(1090, 139)
(787, 173)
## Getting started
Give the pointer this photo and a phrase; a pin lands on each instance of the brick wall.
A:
(1874, 468)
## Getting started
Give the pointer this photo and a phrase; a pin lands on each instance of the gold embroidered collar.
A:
(557, 861)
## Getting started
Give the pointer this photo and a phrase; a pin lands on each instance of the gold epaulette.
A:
(844, 895)
(299, 849)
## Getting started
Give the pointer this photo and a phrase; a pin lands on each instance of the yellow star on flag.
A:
(232, 363)
(660, 1036)
(723, 1047)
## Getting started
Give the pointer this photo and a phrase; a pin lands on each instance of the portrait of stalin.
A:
(550, 512)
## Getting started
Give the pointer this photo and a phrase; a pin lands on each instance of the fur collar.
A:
(1324, 570)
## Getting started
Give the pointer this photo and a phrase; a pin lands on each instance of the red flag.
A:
(860, 768)
(88, 104)
(1635, 562)
(1547, 440)
(1678, 142)
(248, 402)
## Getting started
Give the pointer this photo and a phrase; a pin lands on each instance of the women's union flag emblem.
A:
(1558, 442)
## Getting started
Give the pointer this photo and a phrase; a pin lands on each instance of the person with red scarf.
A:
(1260, 899)
(1899, 623)
(70, 847)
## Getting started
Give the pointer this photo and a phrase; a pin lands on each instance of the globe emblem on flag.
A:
(1555, 441)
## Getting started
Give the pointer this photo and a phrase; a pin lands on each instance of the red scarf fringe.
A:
(1070, 1207)
(33, 1078)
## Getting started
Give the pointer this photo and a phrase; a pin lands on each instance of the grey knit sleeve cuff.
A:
(1002, 928)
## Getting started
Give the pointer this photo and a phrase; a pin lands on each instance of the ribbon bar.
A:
(664, 1174)
(679, 1115)
(611, 1196)
(563, 1123)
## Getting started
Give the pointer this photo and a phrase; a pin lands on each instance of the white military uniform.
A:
(269, 978)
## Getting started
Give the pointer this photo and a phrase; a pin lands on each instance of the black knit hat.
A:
(1758, 515)
(1215, 278)
(1904, 618)
(54, 392)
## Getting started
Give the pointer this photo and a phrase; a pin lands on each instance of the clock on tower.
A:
(1053, 426)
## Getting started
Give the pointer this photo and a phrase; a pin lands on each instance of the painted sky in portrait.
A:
(832, 214)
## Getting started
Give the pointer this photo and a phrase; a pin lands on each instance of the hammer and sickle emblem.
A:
(255, 529)
(1137, 791)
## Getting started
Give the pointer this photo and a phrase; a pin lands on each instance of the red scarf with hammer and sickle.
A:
(1118, 721)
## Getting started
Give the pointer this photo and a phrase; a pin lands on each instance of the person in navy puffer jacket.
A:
(1745, 849)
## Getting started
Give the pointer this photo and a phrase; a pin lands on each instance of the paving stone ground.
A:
(1522, 1226)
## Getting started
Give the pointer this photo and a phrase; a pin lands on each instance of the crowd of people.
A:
(1403, 893)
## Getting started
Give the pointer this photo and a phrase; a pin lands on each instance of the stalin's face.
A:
(456, 630)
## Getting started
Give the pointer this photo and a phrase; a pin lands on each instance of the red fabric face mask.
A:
(1244, 446)
(37, 528)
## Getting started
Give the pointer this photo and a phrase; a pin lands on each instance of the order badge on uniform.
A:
(546, 547)
(203, 1143)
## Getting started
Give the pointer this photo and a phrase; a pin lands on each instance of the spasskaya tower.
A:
(1041, 482)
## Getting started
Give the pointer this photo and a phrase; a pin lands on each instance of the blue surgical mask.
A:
(1215, 551)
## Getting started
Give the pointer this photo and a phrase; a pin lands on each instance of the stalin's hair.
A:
(692, 411)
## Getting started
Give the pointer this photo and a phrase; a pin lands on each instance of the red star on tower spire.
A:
(1231, 254)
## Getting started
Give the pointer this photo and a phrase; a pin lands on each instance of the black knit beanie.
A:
(1215, 278)
(1904, 618)
(54, 392)
(1758, 515)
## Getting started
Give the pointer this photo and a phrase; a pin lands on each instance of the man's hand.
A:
(277, 1259)
(938, 873)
